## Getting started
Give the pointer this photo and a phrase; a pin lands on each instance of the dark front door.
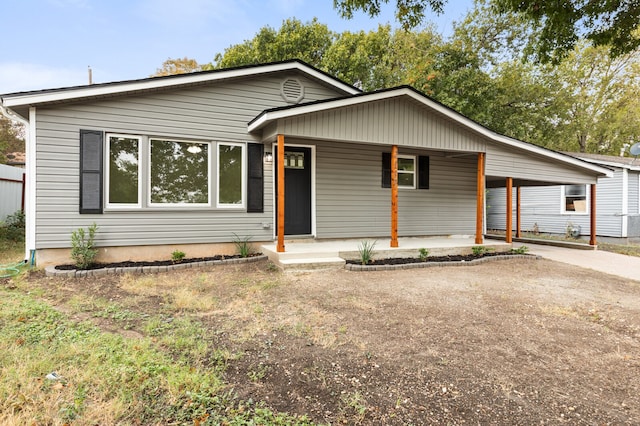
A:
(297, 190)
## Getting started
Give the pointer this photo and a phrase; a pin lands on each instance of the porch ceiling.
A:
(501, 182)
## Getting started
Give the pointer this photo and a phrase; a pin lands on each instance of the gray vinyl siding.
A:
(352, 203)
(634, 192)
(217, 112)
(633, 218)
(542, 206)
(505, 161)
(391, 121)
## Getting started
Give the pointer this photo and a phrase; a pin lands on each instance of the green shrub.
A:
(520, 250)
(365, 249)
(177, 255)
(13, 227)
(423, 253)
(83, 251)
(480, 250)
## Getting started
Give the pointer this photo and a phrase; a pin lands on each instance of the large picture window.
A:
(574, 199)
(123, 171)
(179, 172)
(230, 175)
(142, 172)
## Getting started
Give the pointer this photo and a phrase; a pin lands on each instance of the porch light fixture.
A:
(194, 149)
(268, 157)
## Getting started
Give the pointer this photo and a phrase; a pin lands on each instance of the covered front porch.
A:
(312, 254)
(357, 191)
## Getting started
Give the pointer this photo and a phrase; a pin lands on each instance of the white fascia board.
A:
(268, 117)
(33, 98)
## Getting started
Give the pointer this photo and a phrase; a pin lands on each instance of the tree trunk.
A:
(582, 142)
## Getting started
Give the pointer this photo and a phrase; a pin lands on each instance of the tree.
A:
(383, 58)
(307, 42)
(410, 13)
(615, 24)
(596, 100)
(179, 66)
(11, 138)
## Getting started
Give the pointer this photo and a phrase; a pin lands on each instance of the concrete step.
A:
(311, 264)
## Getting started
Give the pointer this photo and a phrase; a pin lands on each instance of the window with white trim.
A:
(406, 171)
(178, 172)
(123, 171)
(231, 175)
(574, 199)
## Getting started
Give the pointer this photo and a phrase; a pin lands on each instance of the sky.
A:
(52, 43)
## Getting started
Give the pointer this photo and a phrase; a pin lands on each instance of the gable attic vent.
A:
(292, 90)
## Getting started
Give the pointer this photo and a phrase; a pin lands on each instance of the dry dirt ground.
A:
(506, 342)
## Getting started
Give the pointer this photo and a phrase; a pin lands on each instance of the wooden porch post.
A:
(592, 237)
(394, 196)
(518, 222)
(480, 198)
(509, 232)
(280, 201)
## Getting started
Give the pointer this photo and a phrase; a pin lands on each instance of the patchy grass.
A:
(11, 251)
(628, 249)
(170, 376)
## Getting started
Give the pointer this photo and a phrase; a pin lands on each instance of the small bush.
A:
(242, 245)
(520, 250)
(83, 251)
(480, 250)
(177, 255)
(365, 249)
(13, 227)
(423, 253)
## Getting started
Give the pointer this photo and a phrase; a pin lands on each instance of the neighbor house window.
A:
(123, 171)
(178, 172)
(406, 171)
(230, 175)
(575, 198)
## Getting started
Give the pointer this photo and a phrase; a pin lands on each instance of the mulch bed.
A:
(128, 264)
(448, 258)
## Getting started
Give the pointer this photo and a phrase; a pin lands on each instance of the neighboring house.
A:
(566, 208)
(11, 190)
(192, 160)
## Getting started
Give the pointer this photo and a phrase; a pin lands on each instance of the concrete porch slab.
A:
(323, 254)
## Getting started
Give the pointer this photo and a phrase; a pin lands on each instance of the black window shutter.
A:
(423, 172)
(90, 171)
(255, 178)
(386, 170)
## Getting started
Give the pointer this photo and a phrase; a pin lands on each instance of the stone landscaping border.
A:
(366, 268)
(51, 271)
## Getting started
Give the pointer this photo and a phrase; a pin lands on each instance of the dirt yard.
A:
(506, 342)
